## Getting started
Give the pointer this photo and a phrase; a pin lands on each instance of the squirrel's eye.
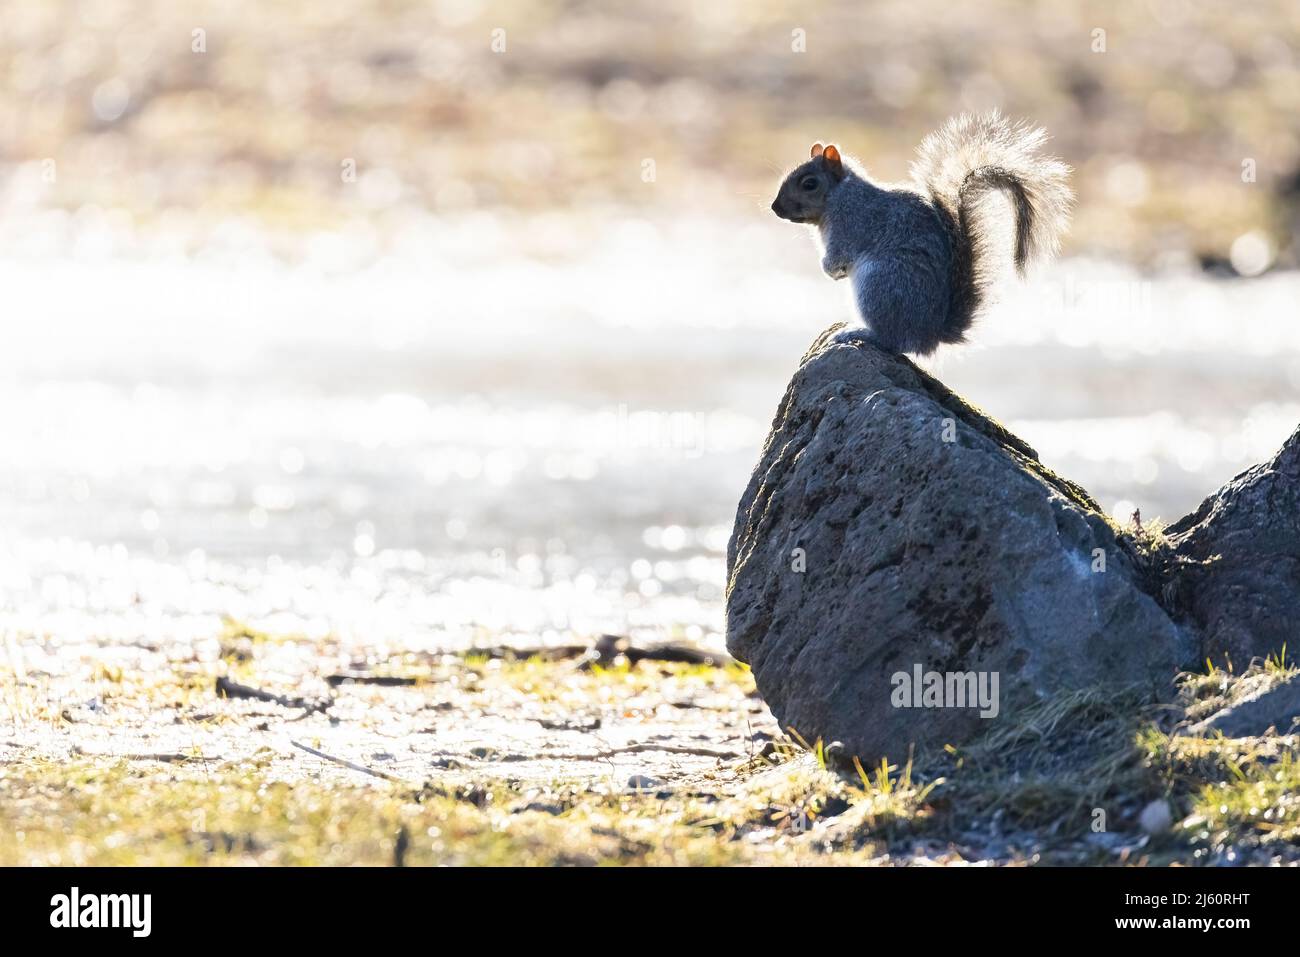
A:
(808, 183)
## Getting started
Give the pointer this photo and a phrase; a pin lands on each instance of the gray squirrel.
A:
(921, 257)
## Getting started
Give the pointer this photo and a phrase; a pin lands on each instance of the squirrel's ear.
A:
(816, 150)
(832, 157)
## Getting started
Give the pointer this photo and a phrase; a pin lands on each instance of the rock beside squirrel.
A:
(1231, 569)
(1276, 708)
(895, 548)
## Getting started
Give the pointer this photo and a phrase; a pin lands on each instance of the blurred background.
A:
(456, 321)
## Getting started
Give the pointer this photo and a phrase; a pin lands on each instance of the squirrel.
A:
(921, 257)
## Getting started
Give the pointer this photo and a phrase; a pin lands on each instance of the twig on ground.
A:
(523, 653)
(169, 757)
(366, 678)
(641, 748)
(343, 762)
(231, 689)
(605, 649)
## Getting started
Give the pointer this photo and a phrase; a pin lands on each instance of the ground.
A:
(141, 756)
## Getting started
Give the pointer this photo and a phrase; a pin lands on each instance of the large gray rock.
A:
(888, 525)
(1232, 568)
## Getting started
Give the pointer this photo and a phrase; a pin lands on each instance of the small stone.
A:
(641, 782)
(1156, 817)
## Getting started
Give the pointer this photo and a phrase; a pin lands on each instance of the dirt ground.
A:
(258, 748)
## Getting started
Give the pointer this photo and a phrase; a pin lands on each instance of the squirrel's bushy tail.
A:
(961, 165)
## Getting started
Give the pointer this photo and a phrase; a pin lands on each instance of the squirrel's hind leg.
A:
(896, 301)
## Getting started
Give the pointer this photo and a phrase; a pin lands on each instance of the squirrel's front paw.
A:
(835, 267)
